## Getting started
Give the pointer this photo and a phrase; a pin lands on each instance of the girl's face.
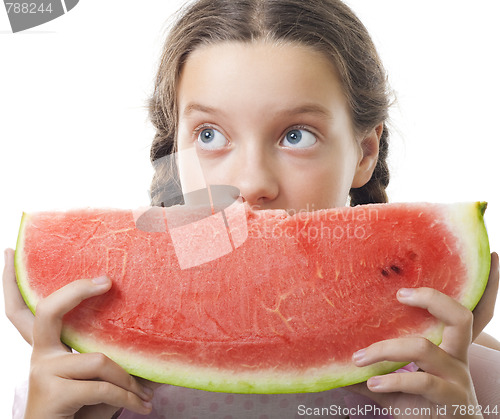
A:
(273, 121)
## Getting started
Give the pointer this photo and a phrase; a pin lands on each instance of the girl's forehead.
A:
(259, 73)
(258, 53)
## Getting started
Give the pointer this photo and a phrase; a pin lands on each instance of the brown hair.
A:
(329, 26)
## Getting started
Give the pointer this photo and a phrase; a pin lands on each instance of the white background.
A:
(74, 129)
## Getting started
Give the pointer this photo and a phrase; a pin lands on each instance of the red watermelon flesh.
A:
(278, 303)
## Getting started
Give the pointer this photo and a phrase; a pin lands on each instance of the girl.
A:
(287, 101)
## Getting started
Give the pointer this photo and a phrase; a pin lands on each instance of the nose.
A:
(256, 176)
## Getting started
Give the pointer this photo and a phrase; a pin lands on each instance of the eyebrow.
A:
(198, 107)
(308, 108)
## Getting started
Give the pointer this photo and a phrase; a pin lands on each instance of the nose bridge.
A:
(257, 172)
(255, 155)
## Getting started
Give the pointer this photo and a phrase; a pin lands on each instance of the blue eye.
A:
(299, 138)
(211, 139)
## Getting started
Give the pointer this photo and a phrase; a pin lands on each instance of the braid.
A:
(165, 187)
(373, 192)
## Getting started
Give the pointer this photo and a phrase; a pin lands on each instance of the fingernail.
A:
(405, 292)
(147, 405)
(358, 356)
(101, 280)
(374, 382)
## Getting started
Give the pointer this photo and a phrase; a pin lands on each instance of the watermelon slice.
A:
(252, 302)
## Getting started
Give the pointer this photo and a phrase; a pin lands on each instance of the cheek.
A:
(191, 174)
(326, 188)
(215, 171)
(327, 183)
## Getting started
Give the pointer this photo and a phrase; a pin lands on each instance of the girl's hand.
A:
(63, 384)
(444, 378)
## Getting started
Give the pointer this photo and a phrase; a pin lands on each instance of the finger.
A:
(15, 308)
(50, 310)
(97, 366)
(149, 384)
(483, 312)
(423, 352)
(97, 392)
(435, 389)
(457, 333)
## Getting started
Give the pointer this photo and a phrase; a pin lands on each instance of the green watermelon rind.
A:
(30, 298)
(468, 217)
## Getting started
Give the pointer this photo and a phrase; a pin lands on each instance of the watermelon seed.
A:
(396, 269)
(412, 255)
(385, 273)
